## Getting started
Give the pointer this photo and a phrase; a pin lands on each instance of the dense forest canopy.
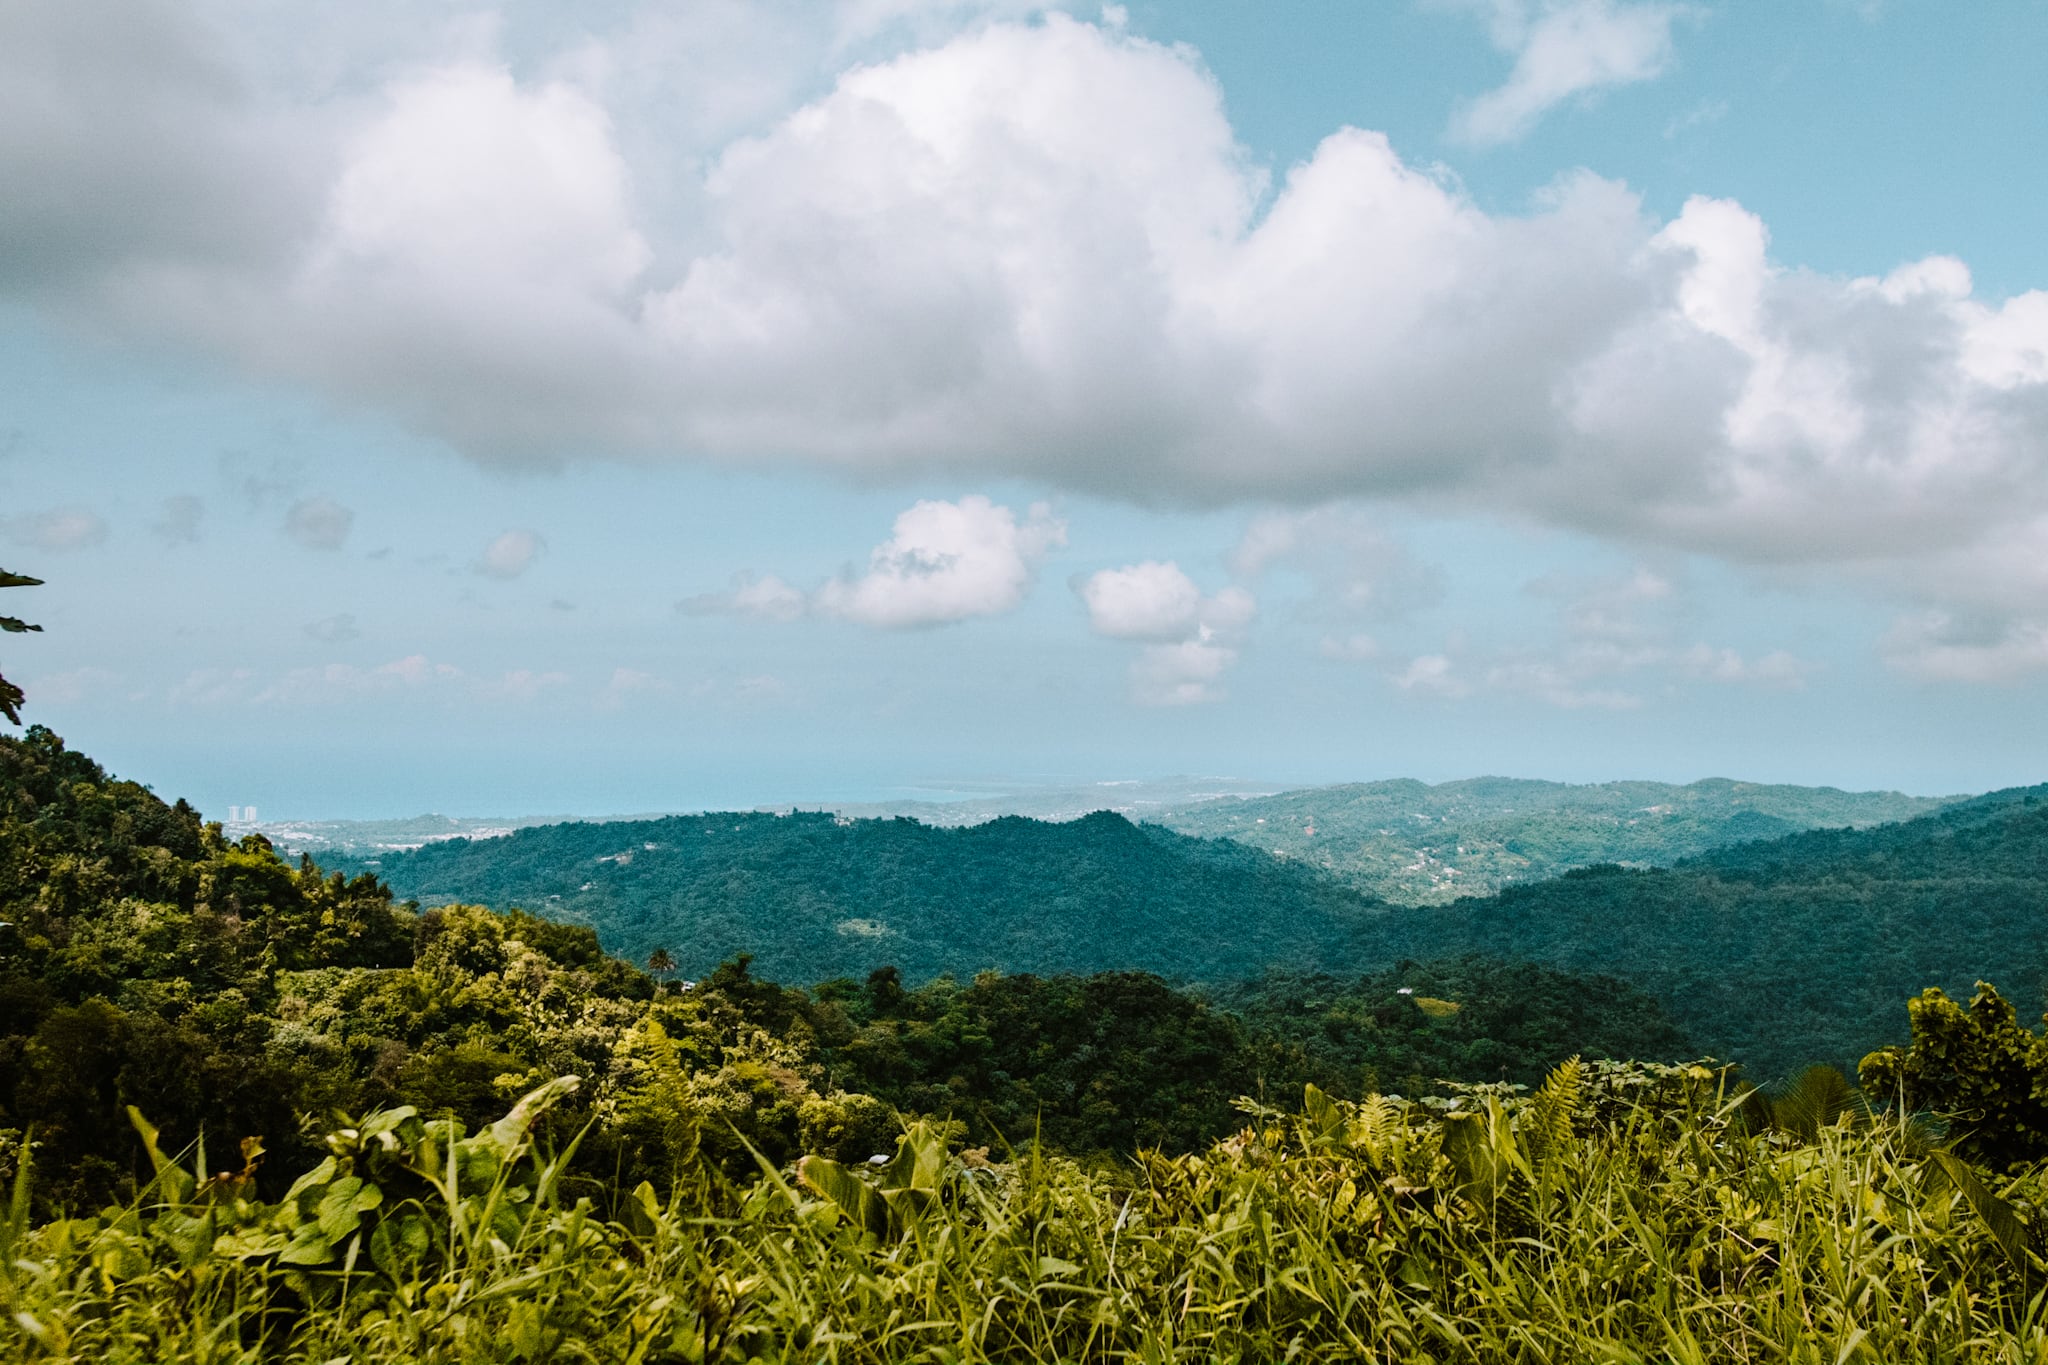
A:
(814, 896)
(1775, 953)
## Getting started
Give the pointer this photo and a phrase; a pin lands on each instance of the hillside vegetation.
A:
(1416, 844)
(813, 896)
(146, 960)
(1619, 1214)
(252, 1112)
(1774, 954)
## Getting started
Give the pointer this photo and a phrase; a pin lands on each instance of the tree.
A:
(660, 963)
(10, 695)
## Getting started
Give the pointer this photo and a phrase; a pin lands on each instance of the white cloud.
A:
(57, 530)
(1567, 48)
(1148, 601)
(946, 562)
(1182, 674)
(1192, 639)
(1432, 675)
(1027, 250)
(511, 554)
(319, 523)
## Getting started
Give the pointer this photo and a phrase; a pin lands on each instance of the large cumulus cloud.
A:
(1030, 249)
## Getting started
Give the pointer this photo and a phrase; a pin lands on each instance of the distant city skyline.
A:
(510, 409)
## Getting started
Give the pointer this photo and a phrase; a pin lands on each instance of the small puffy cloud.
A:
(946, 562)
(762, 595)
(59, 529)
(1180, 674)
(178, 520)
(1432, 675)
(334, 630)
(1567, 48)
(319, 523)
(511, 554)
(1148, 601)
(1190, 640)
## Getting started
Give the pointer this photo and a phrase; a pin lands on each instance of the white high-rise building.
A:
(248, 815)
(234, 815)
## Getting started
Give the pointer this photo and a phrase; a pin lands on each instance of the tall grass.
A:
(1616, 1215)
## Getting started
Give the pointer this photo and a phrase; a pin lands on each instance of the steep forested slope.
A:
(814, 897)
(1415, 844)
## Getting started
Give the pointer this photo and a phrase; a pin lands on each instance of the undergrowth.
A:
(1619, 1213)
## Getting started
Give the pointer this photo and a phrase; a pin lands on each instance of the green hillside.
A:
(1800, 949)
(147, 960)
(1414, 844)
(1775, 954)
(814, 896)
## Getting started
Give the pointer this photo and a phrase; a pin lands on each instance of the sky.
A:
(524, 408)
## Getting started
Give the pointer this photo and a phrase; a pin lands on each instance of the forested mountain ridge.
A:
(1798, 949)
(1412, 843)
(1776, 953)
(814, 896)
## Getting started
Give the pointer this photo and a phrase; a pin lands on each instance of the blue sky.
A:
(500, 409)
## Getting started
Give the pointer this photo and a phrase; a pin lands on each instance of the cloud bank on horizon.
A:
(890, 238)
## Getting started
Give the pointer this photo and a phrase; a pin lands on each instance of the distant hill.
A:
(1799, 949)
(1416, 844)
(814, 896)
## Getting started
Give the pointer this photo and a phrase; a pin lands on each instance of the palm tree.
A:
(660, 963)
(10, 695)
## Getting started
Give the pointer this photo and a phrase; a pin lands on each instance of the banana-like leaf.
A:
(860, 1203)
(2008, 1229)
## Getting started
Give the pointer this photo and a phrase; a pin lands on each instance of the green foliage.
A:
(1979, 1067)
(815, 897)
(1779, 954)
(10, 695)
(1514, 1022)
(1645, 1228)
